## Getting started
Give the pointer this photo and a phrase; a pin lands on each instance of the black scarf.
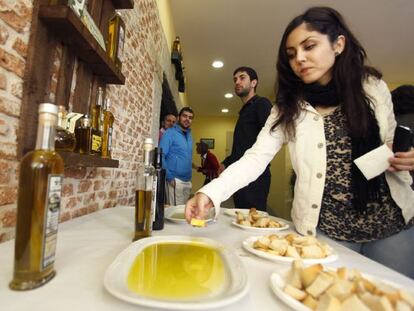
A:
(363, 190)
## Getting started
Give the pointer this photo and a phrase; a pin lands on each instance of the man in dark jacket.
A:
(252, 118)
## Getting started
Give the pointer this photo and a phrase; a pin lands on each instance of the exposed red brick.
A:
(106, 173)
(89, 198)
(79, 212)
(4, 172)
(92, 173)
(18, 23)
(92, 208)
(84, 186)
(20, 47)
(102, 195)
(69, 203)
(9, 106)
(75, 172)
(4, 34)
(8, 217)
(113, 194)
(8, 195)
(97, 185)
(3, 81)
(67, 189)
(65, 216)
(11, 63)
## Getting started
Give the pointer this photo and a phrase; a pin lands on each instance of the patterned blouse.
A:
(338, 219)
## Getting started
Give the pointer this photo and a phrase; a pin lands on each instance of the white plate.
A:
(245, 211)
(236, 286)
(176, 214)
(248, 245)
(264, 230)
(278, 282)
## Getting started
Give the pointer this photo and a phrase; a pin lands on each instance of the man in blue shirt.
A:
(177, 147)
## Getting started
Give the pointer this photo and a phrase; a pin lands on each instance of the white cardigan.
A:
(308, 156)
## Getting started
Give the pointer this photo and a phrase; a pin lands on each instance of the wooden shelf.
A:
(123, 4)
(64, 23)
(86, 160)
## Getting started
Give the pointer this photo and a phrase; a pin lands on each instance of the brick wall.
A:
(135, 105)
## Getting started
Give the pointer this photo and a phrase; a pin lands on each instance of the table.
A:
(87, 246)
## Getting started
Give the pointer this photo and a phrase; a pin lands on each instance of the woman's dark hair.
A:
(348, 74)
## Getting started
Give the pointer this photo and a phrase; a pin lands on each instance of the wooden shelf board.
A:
(64, 23)
(86, 160)
(123, 4)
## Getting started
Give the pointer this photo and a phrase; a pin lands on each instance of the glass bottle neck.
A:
(46, 131)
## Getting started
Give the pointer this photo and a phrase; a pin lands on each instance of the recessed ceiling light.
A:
(217, 64)
(228, 95)
(225, 110)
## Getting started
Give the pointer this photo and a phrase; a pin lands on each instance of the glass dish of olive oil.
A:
(177, 272)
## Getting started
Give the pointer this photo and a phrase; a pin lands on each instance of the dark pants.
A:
(254, 194)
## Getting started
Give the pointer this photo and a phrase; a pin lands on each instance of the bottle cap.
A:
(148, 144)
(48, 108)
(148, 140)
(107, 103)
(85, 121)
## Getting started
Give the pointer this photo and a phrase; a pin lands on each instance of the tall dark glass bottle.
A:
(158, 223)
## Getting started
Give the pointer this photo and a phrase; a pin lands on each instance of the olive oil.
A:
(108, 123)
(97, 116)
(38, 206)
(116, 39)
(143, 220)
(83, 134)
(177, 271)
(144, 195)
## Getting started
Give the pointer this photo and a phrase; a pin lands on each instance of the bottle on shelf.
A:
(97, 117)
(116, 39)
(83, 133)
(64, 140)
(176, 56)
(38, 205)
(108, 123)
(144, 194)
(159, 191)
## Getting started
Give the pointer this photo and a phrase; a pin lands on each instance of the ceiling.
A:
(248, 32)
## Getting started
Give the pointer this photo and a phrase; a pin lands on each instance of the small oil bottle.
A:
(83, 133)
(116, 39)
(64, 140)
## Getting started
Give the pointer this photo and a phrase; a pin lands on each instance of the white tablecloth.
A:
(87, 245)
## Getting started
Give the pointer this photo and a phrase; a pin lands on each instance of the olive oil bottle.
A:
(144, 195)
(116, 39)
(38, 207)
(108, 123)
(83, 132)
(97, 113)
(64, 140)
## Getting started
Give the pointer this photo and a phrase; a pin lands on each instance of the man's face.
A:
(169, 121)
(242, 84)
(185, 119)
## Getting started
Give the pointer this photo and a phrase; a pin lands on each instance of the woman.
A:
(331, 109)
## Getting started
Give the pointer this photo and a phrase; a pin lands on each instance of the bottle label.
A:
(154, 198)
(96, 142)
(121, 39)
(110, 139)
(51, 221)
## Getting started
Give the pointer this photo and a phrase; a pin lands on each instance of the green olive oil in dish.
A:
(177, 271)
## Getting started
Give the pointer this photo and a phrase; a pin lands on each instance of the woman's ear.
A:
(339, 44)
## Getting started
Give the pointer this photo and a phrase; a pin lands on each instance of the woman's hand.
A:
(402, 161)
(198, 207)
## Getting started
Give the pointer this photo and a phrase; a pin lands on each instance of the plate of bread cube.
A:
(258, 222)
(307, 288)
(288, 247)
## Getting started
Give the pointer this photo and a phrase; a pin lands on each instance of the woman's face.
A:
(311, 55)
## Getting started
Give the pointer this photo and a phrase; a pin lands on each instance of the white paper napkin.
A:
(374, 162)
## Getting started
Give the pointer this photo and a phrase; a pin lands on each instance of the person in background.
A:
(330, 109)
(403, 100)
(168, 121)
(177, 146)
(252, 118)
(209, 163)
